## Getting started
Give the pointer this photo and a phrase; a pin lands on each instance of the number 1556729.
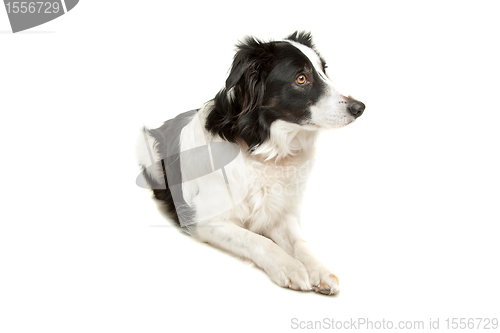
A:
(32, 7)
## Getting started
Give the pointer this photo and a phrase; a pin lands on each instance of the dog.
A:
(232, 173)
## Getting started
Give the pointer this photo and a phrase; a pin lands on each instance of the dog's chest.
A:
(275, 189)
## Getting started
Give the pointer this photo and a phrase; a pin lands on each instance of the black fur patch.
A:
(162, 195)
(262, 88)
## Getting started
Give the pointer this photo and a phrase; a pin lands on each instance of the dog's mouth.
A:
(331, 121)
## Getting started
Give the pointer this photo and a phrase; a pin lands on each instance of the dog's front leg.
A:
(287, 235)
(281, 267)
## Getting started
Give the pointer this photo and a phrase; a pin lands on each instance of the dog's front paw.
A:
(290, 274)
(322, 280)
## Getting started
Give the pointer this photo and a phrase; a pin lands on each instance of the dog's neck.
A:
(287, 140)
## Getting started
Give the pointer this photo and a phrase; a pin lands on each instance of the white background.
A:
(403, 204)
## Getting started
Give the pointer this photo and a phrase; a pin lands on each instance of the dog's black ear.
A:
(302, 37)
(241, 63)
(252, 61)
(236, 107)
(248, 74)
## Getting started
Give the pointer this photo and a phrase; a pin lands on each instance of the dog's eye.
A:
(301, 79)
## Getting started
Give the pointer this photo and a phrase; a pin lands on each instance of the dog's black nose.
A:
(356, 108)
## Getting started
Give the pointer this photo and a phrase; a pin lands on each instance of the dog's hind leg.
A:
(284, 270)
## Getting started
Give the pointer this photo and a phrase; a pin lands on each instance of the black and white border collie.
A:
(231, 173)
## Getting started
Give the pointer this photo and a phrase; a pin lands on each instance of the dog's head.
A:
(282, 80)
